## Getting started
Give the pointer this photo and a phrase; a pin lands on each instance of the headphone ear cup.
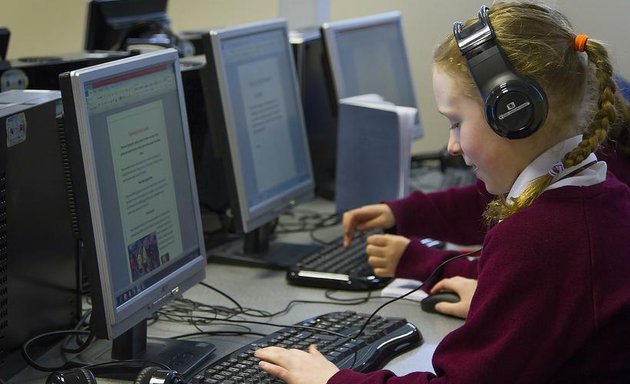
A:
(162, 376)
(516, 109)
(72, 376)
(515, 106)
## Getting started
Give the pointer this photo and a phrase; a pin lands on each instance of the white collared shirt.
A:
(594, 174)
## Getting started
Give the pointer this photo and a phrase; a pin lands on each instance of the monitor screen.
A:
(368, 55)
(134, 184)
(111, 23)
(255, 110)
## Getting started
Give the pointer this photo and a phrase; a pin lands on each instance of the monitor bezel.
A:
(96, 13)
(119, 319)
(250, 218)
(331, 30)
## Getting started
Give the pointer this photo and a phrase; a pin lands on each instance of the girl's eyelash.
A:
(454, 126)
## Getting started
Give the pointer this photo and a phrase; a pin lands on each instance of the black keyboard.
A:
(337, 267)
(383, 339)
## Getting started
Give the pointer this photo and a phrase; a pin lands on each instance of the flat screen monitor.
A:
(368, 55)
(319, 103)
(133, 183)
(112, 23)
(255, 111)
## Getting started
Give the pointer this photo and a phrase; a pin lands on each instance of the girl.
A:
(552, 302)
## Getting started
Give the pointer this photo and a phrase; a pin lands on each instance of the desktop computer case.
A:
(42, 72)
(39, 267)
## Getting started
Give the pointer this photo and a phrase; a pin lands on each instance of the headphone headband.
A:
(477, 34)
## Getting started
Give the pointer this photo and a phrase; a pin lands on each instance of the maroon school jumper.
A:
(454, 215)
(553, 300)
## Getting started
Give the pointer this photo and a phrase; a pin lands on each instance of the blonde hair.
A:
(539, 43)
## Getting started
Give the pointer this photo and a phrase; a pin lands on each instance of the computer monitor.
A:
(133, 182)
(254, 109)
(368, 55)
(114, 24)
(319, 103)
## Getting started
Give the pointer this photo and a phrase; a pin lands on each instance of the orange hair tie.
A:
(580, 42)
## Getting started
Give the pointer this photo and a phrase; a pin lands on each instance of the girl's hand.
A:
(384, 253)
(365, 218)
(465, 288)
(295, 366)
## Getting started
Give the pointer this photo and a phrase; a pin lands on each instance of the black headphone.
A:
(515, 106)
(138, 375)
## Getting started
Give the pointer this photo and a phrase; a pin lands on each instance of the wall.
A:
(44, 27)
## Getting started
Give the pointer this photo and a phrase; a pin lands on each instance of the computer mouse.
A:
(428, 303)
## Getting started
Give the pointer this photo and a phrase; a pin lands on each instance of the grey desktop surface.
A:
(268, 290)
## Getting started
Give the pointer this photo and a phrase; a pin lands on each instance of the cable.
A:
(221, 333)
(30, 361)
(182, 308)
(305, 220)
(86, 343)
(223, 294)
(123, 364)
(185, 311)
(352, 300)
(286, 326)
(429, 278)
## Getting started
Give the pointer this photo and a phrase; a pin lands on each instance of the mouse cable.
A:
(473, 253)
(431, 276)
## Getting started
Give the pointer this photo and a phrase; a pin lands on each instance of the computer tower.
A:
(319, 105)
(39, 266)
(42, 72)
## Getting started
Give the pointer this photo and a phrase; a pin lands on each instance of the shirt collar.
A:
(543, 163)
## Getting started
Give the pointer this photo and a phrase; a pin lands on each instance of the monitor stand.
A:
(258, 249)
(183, 356)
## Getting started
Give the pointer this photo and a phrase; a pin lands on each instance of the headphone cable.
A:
(473, 253)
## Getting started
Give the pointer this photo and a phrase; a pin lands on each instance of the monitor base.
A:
(184, 356)
(279, 256)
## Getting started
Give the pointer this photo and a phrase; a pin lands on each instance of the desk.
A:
(261, 289)
(267, 290)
